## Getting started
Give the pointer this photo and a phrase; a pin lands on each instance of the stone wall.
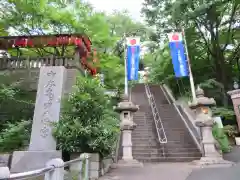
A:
(4, 160)
(97, 166)
(28, 78)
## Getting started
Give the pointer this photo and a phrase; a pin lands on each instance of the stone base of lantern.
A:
(133, 163)
(209, 162)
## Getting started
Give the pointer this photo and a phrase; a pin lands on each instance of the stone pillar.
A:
(126, 110)
(205, 122)
(42, 147)
(58, 172)
(4, 173)
(235, 96)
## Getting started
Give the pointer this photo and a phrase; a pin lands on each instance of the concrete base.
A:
(4, 160)
(205, 162)
(94, 166)
(31, 160)
(106, 165)
(129, 164)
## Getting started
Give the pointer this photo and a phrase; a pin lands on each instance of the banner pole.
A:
(189, 68)
(125, 64)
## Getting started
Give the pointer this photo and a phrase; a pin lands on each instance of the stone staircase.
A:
(180, 146)
(146, 147)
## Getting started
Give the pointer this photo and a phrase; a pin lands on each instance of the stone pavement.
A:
(164, 171)
(230, 173)
(179, 171)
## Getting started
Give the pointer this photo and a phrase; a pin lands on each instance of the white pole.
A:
(125, 63)
(189, 67)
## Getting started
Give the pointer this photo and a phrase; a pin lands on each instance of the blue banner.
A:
(133, 56)
(179, 60)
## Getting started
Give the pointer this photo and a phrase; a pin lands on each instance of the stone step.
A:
(173, 128)
(170, 144)
(183, 144)
(147, 113)
(178, 136)
(166, 159)
(142, 117)
(170, 132)
(144, 138)
(147, 143)
(142, 125)
(141, 121)
(142, 135)
(158, 147)
(176, 145)
(168, 154)
(143, 129)
(172, 120)
(169, 147)
(181, 140)
(145, 146)
(149, 148)
(172, 147)
(159, 153)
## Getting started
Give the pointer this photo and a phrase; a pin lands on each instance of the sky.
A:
(133, 6)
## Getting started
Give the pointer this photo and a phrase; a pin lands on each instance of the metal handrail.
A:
(197, 142)
(43, 171)
(67, 163)
(157, 119)
(31, 174)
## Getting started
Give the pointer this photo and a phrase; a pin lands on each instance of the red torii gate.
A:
(81, 42)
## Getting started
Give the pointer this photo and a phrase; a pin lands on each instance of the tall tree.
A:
(211, 29)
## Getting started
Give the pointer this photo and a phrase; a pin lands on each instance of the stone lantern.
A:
(205, 122)
(235, 96)
(126, 110)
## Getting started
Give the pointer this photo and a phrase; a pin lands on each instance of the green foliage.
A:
(87, 123)
(40, 17)
(228, 114)
(6, 92)
(15, 136)
(113, 70)
(15, 104)
(221, 138)
(231, 131)
(15, 107)
(74, 175)
(210, 29)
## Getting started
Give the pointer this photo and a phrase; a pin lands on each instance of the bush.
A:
(87, 123)
(15, 104)
(15, 136)
(227, 115)
(221, 138)
(230, 131)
